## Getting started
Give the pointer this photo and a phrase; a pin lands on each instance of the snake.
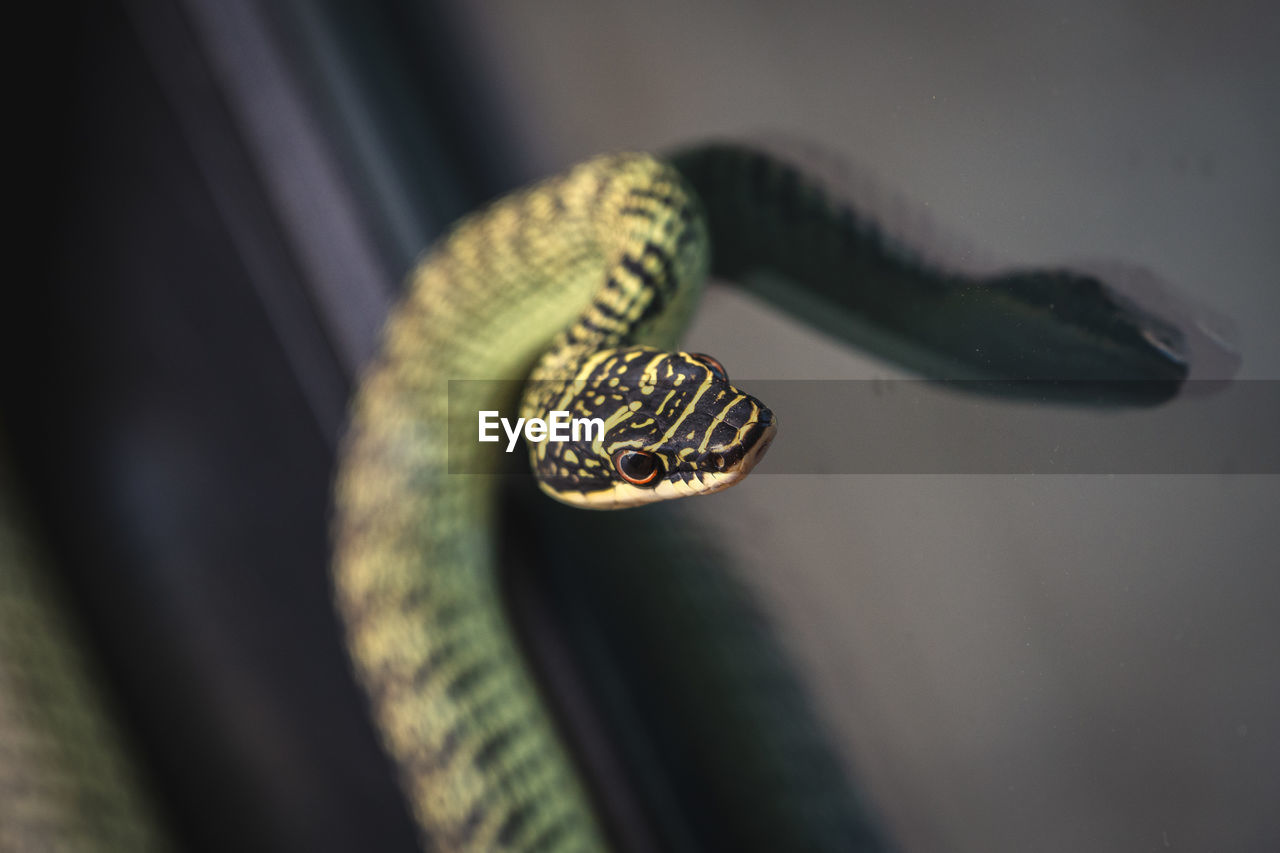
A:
(571, 296)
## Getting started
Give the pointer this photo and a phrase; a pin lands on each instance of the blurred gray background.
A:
(1012, 663)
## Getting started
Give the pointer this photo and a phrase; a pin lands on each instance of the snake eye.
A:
(637, 467)
(717, 369)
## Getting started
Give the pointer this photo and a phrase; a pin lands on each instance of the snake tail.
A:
(1028, 328)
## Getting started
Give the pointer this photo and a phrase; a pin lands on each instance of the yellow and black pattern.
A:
(582, 285)
(698, 433)
(611, 254)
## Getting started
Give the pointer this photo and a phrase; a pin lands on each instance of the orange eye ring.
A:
(713, 364)
(637, 467)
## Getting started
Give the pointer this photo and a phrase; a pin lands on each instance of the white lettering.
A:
(559, 427)
(487, 424)
(512, 434)
(587, 424)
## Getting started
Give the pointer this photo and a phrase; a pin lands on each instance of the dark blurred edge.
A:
(176, 381)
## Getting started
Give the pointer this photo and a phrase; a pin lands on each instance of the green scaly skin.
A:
(414, 553)
(414, 565)
(67, 781)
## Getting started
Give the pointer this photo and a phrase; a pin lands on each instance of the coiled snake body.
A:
(584, 283)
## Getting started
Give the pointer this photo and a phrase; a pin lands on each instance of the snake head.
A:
(672, 426)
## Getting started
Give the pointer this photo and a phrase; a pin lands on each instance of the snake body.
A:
(414, 560)
(68, 780)
(584, 282)
(580, 284)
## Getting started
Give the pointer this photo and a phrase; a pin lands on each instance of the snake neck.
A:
(610, 253)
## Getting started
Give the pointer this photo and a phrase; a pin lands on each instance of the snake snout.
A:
(762, 430)
(758, 439)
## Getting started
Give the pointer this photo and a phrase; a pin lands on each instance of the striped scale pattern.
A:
(611, 253)
(560, 284)
(678, 406)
